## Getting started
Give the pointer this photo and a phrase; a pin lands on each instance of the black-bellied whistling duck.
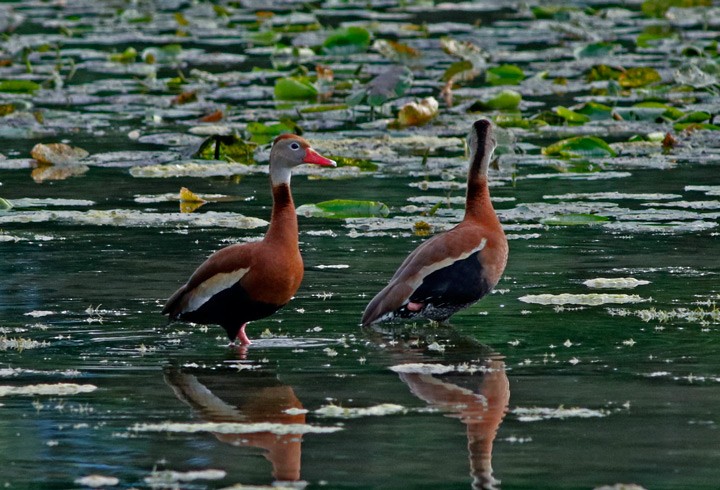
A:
(252, 399)
(249, 281)
(454, 269)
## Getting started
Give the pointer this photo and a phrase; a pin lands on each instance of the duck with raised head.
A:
(245, 282)
(454, 269)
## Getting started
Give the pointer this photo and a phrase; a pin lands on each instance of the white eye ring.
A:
(294, 146)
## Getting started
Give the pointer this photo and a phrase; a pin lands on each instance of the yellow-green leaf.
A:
(294, 88)
(18, 86)
(580, 146)
(344, 208)
(574, 219)
(638, 77)
(347, 40)
(504, 75)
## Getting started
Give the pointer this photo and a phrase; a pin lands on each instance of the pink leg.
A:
(242, 336)
(414, 306)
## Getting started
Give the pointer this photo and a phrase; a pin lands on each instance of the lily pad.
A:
(347, 40)
(580, 146)
(615, 283)
(263, 133)
(503, 101)
(504, 75)
(230, 147)
(571, 116)
(639, 77)
(596, 50)
(592, 299)
(295, 88)
(574, 220)
(344, 208)
(234, 428)
(19, 86)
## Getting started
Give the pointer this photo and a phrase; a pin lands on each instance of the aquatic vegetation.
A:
(336, 411)
(536, 414)
(604, 180)
(97, 481)
(234, 428)
(59, 389)
(615, 283)
(592, 299)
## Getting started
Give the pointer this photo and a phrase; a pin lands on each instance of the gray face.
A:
(482, 140)
(288, 153)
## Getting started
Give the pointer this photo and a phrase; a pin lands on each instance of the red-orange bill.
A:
(311, 156)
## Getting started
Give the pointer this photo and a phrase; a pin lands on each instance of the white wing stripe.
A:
(210, 287)
(418, 278)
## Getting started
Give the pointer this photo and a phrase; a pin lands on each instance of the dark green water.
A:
(530, 395)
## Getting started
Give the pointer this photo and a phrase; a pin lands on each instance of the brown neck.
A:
(478, 206)
(283, 222)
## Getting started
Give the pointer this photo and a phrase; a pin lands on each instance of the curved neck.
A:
(283, 221)
(477, 201)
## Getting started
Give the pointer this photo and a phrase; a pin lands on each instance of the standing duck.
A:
(249, 281)
(454, 269)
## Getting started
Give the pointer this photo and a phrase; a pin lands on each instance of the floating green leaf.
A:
(603, 72)
(294, 88)
(571, 116)
(457, 70)
(503, 101)
(344, 208)
(574, 219)
(595, 111)
(596, 50)
(227, 147)
(547, 117)
(638, 77)
(18, 86)
(668, 111)
(695, 127)
(322, 108)
(364, 165)
(263, 133)
(580, 146)
(552, 11)
(504, 75)
(653, 33)
(517, 121)
(347, 40)
(5, 204)
(127, 56)
(694, 117)
(264, 38)
(658, 8)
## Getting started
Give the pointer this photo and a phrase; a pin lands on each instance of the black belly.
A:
(231, 308)
(450, 289)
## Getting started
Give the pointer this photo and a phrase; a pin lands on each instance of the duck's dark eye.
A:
(294, 146)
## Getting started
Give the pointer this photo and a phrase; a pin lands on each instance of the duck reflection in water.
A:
(250, 397)
(467, 381)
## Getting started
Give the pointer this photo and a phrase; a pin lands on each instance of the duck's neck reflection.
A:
(468, 381)
(255, 398)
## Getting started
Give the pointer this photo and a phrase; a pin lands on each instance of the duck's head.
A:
(291, 150)
(481, 142)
